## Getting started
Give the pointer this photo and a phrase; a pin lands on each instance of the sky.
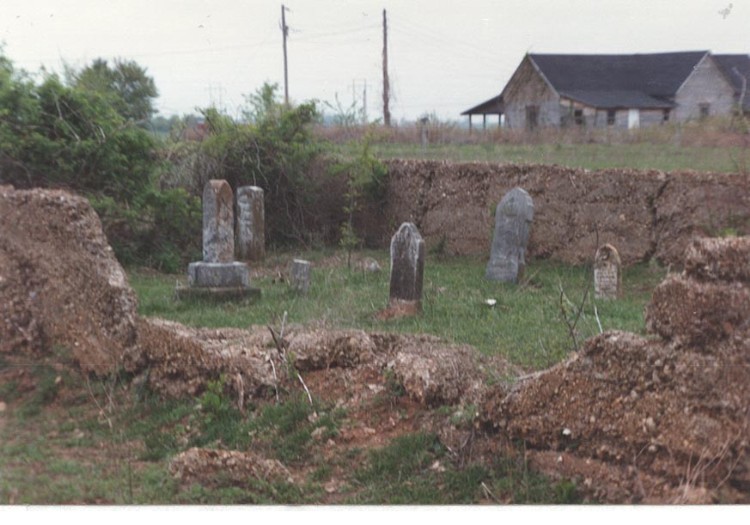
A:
(444, 56)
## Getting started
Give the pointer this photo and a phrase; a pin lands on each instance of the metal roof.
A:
(655, 75)
(616, 99)
(493, 106)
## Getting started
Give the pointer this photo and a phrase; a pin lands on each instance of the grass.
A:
(641, 155)
(526, 325)
(72, 450)
(415, 469)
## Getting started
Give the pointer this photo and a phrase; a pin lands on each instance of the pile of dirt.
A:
(631, 419)
(179, 361)
(652, 420)
(63, 291)
(644, 214)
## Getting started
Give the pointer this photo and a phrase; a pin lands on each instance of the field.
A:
(84, 441)
(711, 147)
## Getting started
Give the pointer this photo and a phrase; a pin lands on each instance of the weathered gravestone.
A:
(513, 217)
(301, 275)
(607, 272)
(407, 268)
(251, 237)
(218, 274)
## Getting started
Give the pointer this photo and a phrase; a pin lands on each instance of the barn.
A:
(621, 91)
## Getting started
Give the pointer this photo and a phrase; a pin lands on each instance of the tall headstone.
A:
(407, 266)
(607, 272)
(251, 236)
(218, 274)
(218, 222)
(513, 217)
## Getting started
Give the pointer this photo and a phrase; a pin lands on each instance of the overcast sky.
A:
(444, 56)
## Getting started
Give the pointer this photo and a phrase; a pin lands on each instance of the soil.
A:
(644, 214)
(658, 419)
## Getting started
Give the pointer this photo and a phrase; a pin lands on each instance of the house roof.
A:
(735, 67)
(616, 99)
(657, 75)
(493, 106)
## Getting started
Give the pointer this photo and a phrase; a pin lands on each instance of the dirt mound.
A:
(63, 290)
(632, 419)
(182, 361)
(669, 416)
(198, 464)
(645, 214)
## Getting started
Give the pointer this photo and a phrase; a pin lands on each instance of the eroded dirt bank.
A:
(644, 214)
(630, 419)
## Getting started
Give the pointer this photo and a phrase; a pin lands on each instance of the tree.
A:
(131, 90)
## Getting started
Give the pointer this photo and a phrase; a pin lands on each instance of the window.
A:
(705, 109)
(611, 114)
(532, 118)
(665, 116)
(578, 117)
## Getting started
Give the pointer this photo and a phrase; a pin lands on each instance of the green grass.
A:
(526, 325)
(415, 469)
(641, 155)
(65, 451)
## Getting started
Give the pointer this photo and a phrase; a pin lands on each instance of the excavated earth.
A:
(662, 419)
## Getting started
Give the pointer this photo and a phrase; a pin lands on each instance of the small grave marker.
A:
(301, 275)
(513, 217)
(607, 272)
(407, 267)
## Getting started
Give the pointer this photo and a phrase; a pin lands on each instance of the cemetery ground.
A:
(78, 440)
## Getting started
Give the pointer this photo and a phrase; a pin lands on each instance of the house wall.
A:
(705, 85)
(526, 87)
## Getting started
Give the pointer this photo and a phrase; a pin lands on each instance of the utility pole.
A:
(285, 33)
(364, 103)
(386, 86)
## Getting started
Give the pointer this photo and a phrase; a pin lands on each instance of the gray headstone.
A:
(513, 217)
(407, 264)
(251, 237)
(218, 222)
(301, 275)
(607, 272)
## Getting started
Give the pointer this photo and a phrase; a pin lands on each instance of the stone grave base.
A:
(218, 281)
(226, 293)
(400, 308)
(218, 275)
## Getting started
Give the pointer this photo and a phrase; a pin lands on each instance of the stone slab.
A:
(513, 217)
(218, 222)
(407, 264)
(251, 238)
(218, 275)
(301, 275)
(235, 293)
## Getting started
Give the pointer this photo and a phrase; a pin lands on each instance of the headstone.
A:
(513, 217)
(218, 275)
(251, 237)
(218, 222)
(407, 266)
(607, 272)
(301, 275)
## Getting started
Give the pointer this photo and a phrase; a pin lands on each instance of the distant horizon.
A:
(443, 57)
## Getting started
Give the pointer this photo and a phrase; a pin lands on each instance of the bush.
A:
(74, 137)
